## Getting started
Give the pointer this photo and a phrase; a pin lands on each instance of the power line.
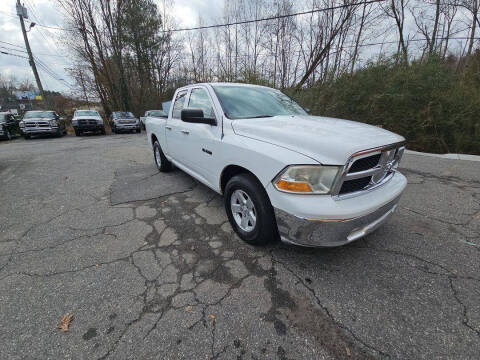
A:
(276, 17)
(12, 49)
(5, 42)
(313, 11)
(7, 53)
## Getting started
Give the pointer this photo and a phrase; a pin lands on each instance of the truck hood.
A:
(326, 140)
(85, 117)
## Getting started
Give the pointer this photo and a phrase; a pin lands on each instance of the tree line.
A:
(129, 56)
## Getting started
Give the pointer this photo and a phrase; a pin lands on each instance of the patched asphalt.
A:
(150, 268)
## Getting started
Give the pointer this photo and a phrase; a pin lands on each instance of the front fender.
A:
(263, 159)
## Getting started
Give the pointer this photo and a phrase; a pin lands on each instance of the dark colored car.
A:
(42, 122)
(8, 126)
(87, 120)
(124, 121)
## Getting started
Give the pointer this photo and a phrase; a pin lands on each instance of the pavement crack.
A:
(465, 319)
(327, 311)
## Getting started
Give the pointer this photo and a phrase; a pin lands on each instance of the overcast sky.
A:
(47, 47)
(45, 42)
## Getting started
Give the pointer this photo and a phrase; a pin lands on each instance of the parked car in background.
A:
(8, 125)
(87, 120)
(315, 181)
(42, 122)
(152, 113)
(122, 121)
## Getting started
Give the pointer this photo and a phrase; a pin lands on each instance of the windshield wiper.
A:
(261, 116)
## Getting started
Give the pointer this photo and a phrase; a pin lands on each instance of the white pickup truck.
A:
(315, 181)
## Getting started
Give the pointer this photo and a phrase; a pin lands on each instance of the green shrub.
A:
(434, 104)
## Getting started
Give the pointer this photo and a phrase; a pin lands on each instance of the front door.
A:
(201, 139)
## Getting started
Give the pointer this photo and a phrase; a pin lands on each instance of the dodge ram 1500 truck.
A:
(315, 181)
(87, 120)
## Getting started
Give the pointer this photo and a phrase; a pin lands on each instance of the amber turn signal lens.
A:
(294, 186)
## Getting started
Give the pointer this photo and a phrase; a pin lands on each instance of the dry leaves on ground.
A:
(64, 324)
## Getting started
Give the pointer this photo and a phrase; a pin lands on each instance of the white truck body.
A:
(267, 146)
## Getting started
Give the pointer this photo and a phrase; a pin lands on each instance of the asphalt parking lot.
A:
(149, 267)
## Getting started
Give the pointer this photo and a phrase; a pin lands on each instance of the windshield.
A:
(38, 114)
(123, 114)
(157, 113)
(243, 102)
(86, 113)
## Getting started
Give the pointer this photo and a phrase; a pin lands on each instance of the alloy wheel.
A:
(243, 210)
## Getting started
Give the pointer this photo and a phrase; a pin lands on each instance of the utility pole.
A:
(22, 12)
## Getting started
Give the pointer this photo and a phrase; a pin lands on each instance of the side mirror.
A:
(196, 116)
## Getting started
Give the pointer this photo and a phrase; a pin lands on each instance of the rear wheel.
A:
(249, 210)
(160, 160)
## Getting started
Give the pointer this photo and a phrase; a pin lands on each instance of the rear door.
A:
(174, 131)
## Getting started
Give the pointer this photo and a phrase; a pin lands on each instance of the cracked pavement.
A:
(150, 268)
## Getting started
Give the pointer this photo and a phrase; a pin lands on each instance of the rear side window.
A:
(178, 106)
(199, 100)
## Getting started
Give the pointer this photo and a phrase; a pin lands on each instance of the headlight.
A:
(100, 121)
(74, 122)
(53, 122)
(21, 124)
(314, 179)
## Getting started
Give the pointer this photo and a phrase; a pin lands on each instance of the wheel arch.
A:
(153, 138)
(230, 171)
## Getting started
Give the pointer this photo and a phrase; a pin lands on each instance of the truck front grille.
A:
(368, 169)
(354, 185)
(43, 124)
(365, 163)
(87, 122)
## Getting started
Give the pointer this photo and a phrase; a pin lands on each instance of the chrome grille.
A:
(87, 122)
(368, 169)
(37, 124)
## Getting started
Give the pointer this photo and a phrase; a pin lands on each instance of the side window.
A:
(199, 100)
(178, 106)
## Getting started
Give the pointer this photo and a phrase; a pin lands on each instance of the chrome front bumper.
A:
(330, 233)
(39, 130)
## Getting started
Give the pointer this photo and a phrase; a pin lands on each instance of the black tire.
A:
(78, 132)
(162, 163)
(265, 228)
(102, 131)
(139, 130)
(26, 137)
(8, 135)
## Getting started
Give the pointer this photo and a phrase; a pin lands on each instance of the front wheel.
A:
(26, 137)
(160, 159)
(9, 134)
(139, 130)
(249, 210)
